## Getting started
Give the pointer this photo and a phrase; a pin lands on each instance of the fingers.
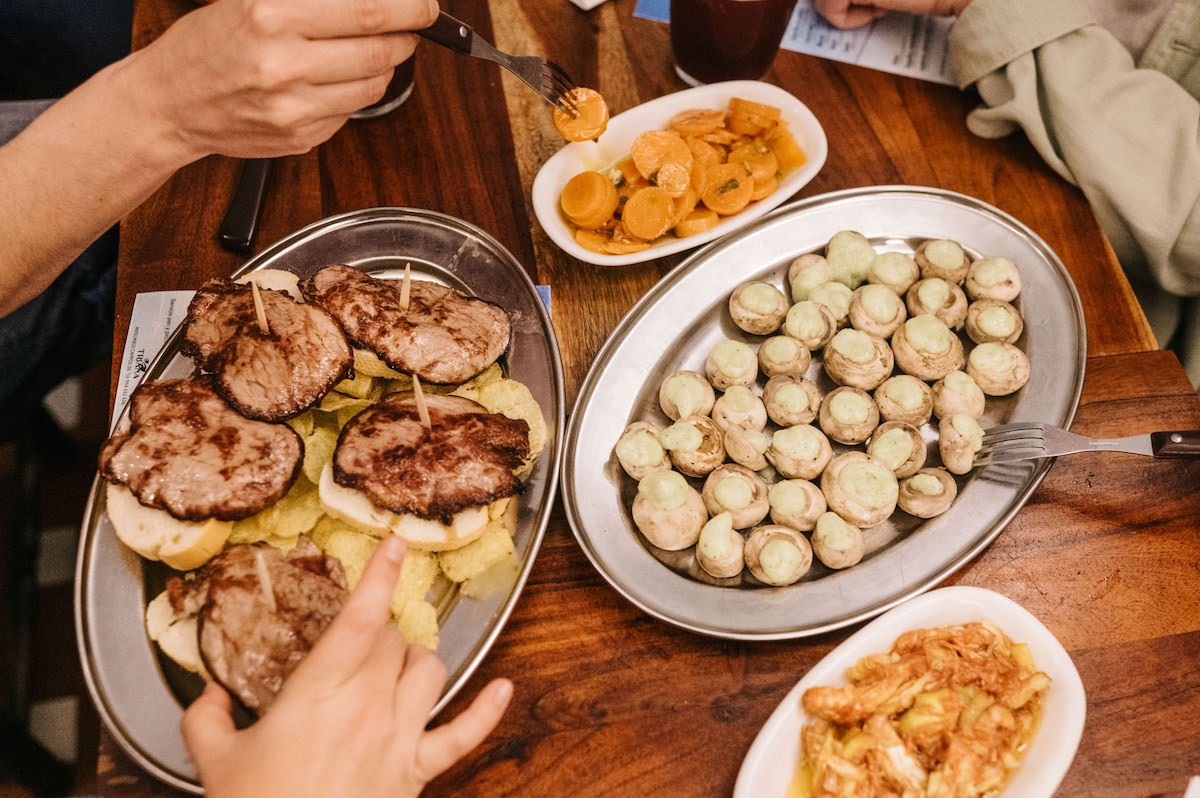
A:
(207, 725)
(348, 641)
(322, 20)
(445, 745)
(419, 687)
(340, 60)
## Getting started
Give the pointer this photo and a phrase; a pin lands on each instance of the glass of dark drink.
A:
(397, 92)
(715, 40)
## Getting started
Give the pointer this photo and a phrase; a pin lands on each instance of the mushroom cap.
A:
(783, 355)
(747, 447)
(903, 397)
(807, 271)
(669, 514)
(937, 297)
(791, 400)
(944, 258)
(898, 445)
(686, 393)
(639, 451)
(777, 555)
(848, 415)
(876, 309)
(992, 320)
(796, 503)
(836, 542)
(720, 549)
(858, 359)
(736, 490)
(850, 255)
(739, 407)
(811, 323)
(800, 451)
(835, 296)
(694, 456)
(926, 348)
(896, 270)
(993, 278)
(959, 438)
(731, 362)
(860, 488)
(958, 392)
(927, 493)
(998, 368)
(758, 307)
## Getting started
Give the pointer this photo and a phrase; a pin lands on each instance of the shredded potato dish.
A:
(947, 712)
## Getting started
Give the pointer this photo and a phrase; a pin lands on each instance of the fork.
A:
(545, 77)
(1032, 440)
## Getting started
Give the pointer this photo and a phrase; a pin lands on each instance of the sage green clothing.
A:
(1127, 133)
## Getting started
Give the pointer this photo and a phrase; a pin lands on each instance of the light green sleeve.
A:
(1128, 137)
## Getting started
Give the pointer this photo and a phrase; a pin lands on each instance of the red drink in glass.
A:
(715, 40)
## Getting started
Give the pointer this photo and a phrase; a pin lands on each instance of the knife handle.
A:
(449, 32)
(1181, 443)
(241, 219)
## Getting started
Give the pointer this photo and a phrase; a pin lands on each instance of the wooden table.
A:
(610, 701)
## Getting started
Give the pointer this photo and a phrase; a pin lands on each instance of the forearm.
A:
(78, 169)
(1130, 138)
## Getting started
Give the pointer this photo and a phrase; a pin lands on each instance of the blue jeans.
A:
(65, 329)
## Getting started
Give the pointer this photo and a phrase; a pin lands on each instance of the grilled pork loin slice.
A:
(260, 612)
(465, 460)
(443, 337)
(269, 376)
(189, 453)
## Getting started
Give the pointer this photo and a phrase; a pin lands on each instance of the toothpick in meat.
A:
(259, 311)
(422, 410)
(404, 287)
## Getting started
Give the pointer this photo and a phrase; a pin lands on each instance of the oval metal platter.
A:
(141, 695)
(676, 324)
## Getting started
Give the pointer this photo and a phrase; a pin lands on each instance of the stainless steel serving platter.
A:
(679, 320)
(141, 695)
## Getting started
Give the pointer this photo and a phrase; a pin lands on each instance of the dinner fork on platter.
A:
(545, 77)
(1032, 440)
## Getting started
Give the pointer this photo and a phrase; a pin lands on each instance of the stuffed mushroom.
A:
(941, 257)
(927, 493)
(796, 503)
(783, 355)
(686, 393)
(799, 452)
(898, 445)
(850, 255)
(791, 400)
(858, 359)
(739, 407)
(993, 320)
(836, 297)
(937, 297)
(860, 488)
(848, 415)
(959, 438)
(895, 270)
(993, 278)
(810, 323)
(720, 550)
(904, 398)
(668, 511)
(747, 447)
(736, 490)
(639, 452)
(729, 363)
(926, 348)
(876, 310)
(836, 542)
(806, 272)
(998, 368)
(758, 308)
(777, 555)
(958, 393)
(695, 444)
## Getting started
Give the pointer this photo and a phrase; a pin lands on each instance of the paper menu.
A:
(912, 45)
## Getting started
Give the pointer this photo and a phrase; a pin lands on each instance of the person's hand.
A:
(855, 13)
(350, 721)
(262, 78)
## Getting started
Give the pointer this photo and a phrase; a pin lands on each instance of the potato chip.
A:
(318, 450)
(367, 363)
(474, 558)
(470, 389)
(417, 573)
(418, 622)
(303, 424)
(347, 544)
(514, 400)
(297, 512)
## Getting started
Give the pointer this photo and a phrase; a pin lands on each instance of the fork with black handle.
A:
(1032, 440)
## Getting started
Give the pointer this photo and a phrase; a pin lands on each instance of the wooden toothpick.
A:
(422, 410)
(259, 311)
(404, 287)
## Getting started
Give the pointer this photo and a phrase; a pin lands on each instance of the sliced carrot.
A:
(700, 220)
(696, 121)
(592, 241)
(787, 151)
(705, 152)
(628, 170)
(764, 188)
(759, 159)
(700, 176)
(729, 188)
(654, 148)
(625, 246)
(647, 213)
(673, 177)
(738, 105)
(743, 125)
(719, 136)
(684, 205)
(592, 116)
(589, 199)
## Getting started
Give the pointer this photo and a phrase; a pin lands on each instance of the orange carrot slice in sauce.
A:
(592, 241)
(759, 159)
(647, 213)
(729, 188)
(698, 221)
(591, 120)
(744, 107)
(764, 188)
(696, 121)
(789, 154)
(589, 199)
(654, 148)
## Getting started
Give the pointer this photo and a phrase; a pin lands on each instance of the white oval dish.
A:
(614, 144)
(772, 758)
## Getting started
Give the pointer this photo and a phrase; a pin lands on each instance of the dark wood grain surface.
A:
(610, 701)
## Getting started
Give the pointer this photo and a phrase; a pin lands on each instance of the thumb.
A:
(207, 725)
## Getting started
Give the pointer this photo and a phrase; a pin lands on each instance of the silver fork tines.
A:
(1031, 440)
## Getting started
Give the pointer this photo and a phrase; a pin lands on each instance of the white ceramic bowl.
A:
(614, 144)
(773, 757)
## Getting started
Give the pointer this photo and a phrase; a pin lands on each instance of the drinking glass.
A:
(715, 40)
(398, 91)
